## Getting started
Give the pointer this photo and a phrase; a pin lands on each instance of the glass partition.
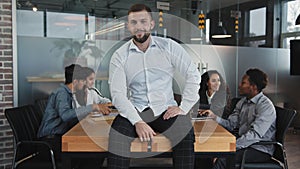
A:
(48, 41)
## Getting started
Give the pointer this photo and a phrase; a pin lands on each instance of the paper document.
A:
(100, 116)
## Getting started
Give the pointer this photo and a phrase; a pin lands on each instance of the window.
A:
(290, 11)
(257, 22)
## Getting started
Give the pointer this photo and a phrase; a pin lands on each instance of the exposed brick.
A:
(5, 46)
(7, 36)
(7, 41)
(10, 87)
(5, 81)
(8, 52)
(7, 93)
(8, 76)
(7, 18)
(3, 70)
(7, 30)
(5, 58)
(7, 64)
(10, 154)
(6, 6)
(5, 12)
(6, 84)
(9, 144)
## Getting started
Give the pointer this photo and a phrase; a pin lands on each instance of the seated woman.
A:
(89, 94)
(214, 93)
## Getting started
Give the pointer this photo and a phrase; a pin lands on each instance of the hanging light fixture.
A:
(298, 20)
(34, 8)
(220, 31)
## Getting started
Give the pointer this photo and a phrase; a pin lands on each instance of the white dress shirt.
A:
(140, 79)
(93, 97)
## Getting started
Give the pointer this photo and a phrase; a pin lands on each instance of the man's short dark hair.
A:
(258, 78)
(140, 7)
(72, 72)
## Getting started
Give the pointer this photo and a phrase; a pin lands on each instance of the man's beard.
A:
(142, 39)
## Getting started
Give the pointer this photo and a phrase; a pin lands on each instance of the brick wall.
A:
(6, 82)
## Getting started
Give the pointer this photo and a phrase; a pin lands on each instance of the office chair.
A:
(279, 160)
(40, 106)
(29, 153)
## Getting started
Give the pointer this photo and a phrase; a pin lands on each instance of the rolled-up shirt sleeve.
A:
(185, 66)
(118, 90)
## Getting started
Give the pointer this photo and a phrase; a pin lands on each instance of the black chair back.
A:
(29, 152)
(283, 120)
(284, 117)
(40, 107)
(24, 122)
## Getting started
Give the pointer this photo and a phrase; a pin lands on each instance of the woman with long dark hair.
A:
(214, 93)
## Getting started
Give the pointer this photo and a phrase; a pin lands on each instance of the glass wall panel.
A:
(30, 23)
(63, 25)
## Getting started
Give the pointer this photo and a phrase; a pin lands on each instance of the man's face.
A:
(140, 25)
(245, 88)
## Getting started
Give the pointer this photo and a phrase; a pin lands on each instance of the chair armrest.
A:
(268, 143)
(31, 144)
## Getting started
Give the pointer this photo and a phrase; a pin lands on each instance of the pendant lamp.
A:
(220, 31)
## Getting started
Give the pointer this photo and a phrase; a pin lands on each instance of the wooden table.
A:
(90, 137)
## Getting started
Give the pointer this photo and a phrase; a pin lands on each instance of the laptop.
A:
(194, 111)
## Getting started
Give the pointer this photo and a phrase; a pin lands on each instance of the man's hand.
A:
(144, 131)
(207, 113)
(172, 112)
(102, 108)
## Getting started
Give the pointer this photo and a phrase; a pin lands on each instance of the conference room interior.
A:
(259, 34)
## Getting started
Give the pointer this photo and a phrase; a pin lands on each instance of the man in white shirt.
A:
(140, 79)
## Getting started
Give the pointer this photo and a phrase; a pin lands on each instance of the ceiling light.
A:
(196, 39)
(220, 31)
(34, 8)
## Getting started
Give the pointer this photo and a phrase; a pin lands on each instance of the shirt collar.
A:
(256, 98)
(67, 89)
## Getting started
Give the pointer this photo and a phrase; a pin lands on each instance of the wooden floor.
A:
(292, 146)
